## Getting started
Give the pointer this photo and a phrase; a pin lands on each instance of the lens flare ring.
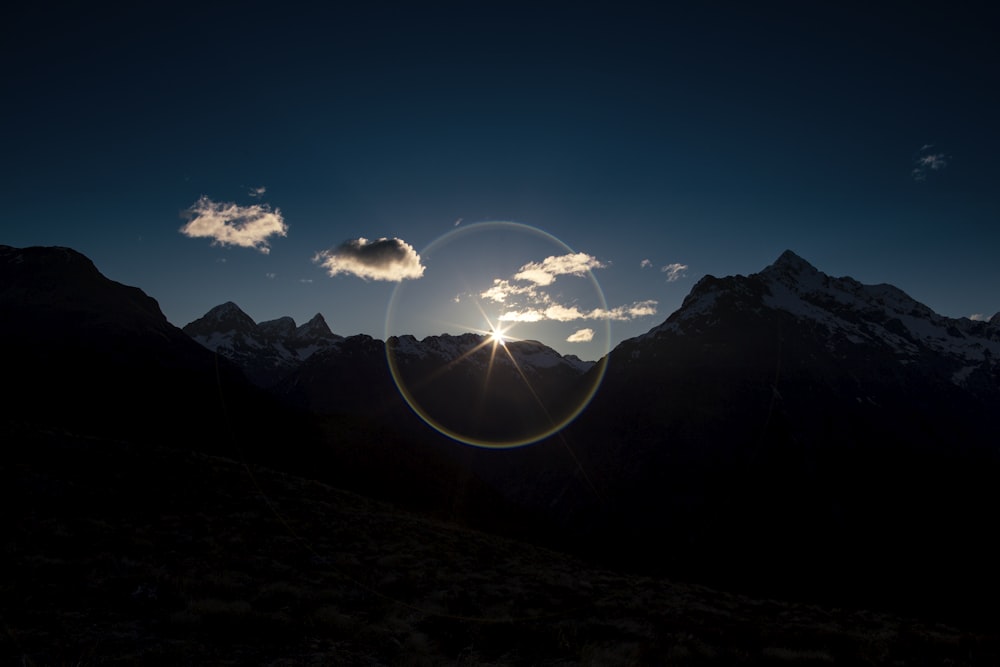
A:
(548, 416)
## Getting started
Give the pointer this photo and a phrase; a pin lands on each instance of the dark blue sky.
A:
(707, 135)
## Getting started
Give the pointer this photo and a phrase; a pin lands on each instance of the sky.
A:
(567, 173)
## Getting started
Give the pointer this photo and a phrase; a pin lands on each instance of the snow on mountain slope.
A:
(267, 350)
(847, 311)
(480, 351)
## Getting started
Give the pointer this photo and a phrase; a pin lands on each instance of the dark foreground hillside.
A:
(124, 554)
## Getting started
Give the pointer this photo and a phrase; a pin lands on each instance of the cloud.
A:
(563, 313)
(927, 161)
(305, 281)
(271, 276)
(674, 271)
(503, 290)
(645, 264)
(384, 259)
(229, 224)
(545, 272)
(529, 315)
(978, 317)
(527, 301)
(257, 192)
(569, 313)
(622, 313)
(581, 336)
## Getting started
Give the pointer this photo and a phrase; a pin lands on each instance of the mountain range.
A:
(785, 433)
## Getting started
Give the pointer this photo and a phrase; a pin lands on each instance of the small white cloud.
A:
(560, 313)
(645, 264)
(226, 223)
(927, 161)
(271, 276)
(457, 298)
(529, 315)
(674, 271)
(503, 290)
(384, 259)
(257, 192)
(544, 273)
(581, 336)
(978, 317)
(622, 313)
(305, 281)
(530, 302)
(563, 313)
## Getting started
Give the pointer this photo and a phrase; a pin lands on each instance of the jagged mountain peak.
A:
(224, 318)
(266, 351)
(476, 347)
(845, 317)
(789, 261)
(225, 309)
(794, 272)
(316, 327)
(280, 327)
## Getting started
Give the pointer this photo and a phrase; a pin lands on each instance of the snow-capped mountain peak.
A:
(281, 327)
(267, 350)
(846, 314)
(477, 349)
(314, 328)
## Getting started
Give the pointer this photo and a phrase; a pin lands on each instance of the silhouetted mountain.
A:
(784, 432)
(93, 356)
(445, 375)
(788, 429)
(267, 351)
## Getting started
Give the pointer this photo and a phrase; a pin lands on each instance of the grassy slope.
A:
(121, 554)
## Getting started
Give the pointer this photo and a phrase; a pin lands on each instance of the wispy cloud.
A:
(581, 336)
(630, 312)
(978, 317)
(384, 259)
(257, 192)
(560, 313)
(645, 264)
(674, 271)
(227, 223)
(504, 289)
(926, 161)
(545, 272)
(270, 275)
(528, 301)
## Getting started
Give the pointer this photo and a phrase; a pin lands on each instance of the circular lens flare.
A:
(486, 387)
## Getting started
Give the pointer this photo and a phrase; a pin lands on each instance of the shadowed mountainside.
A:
(782, 434)
(125, 554)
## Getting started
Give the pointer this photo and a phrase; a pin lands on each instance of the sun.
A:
(497, 337)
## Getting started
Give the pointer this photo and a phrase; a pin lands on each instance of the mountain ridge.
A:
(783, 432)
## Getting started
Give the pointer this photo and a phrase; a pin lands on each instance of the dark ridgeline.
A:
(796, 434)
(785, 433)
(91, 356)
